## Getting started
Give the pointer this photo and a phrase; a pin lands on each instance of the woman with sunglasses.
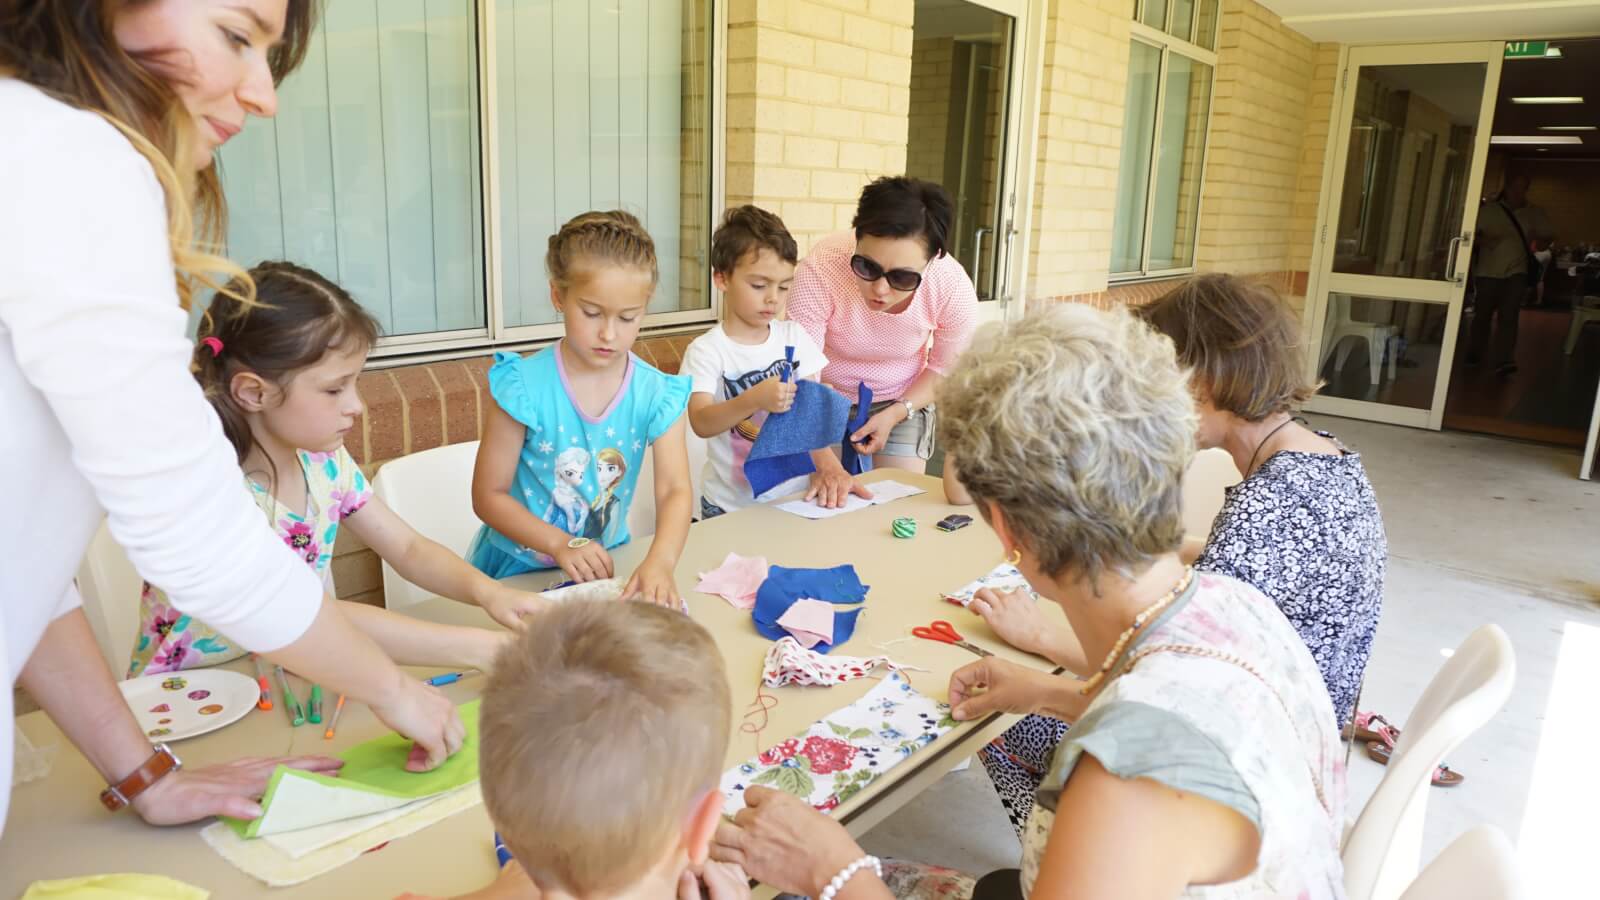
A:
(872, 300)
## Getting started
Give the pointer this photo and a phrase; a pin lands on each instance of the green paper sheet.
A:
(374, 779)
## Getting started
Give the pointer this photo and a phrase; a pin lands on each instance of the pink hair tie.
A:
(214, 345)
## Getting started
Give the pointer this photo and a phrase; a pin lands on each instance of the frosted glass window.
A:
(601, 106)
(1138, 140)
(370, 173)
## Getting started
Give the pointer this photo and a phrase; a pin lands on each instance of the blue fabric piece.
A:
(857, 463)
(784, 586)
(783, 448)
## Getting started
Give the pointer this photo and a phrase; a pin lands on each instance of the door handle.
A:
(977, 256)
(1452, 262)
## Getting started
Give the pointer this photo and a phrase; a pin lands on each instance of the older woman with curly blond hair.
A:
(1205, 758)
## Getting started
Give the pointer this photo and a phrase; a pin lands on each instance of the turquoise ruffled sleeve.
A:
(510, 386)
(671, 399)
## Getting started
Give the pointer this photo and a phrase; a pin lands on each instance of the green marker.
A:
(316, 704)
(291, 703)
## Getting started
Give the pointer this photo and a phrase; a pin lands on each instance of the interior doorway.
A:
(1546, 134)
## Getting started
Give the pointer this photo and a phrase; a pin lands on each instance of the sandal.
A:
(1444, 776)
(1367, 727)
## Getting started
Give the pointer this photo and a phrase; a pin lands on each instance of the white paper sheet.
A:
(882, 492)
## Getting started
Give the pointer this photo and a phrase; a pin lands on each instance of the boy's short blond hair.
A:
(601, 726)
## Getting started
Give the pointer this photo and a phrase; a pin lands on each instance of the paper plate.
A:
(172, 706)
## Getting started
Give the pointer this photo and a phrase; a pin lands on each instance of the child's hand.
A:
(508, 605)
(723, 881)
(653, 581)
(590, 562)
(774, 395)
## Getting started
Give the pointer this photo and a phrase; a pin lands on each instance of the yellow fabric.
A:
(127, 886)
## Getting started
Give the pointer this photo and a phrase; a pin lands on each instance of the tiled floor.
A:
(1480, 530)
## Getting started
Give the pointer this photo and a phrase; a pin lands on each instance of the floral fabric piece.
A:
(789, 663)
(1002, 578)
(736, 580)
(169, 640)
(835, 758)
(810, 622)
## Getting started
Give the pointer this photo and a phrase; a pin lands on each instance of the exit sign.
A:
(1526, 49)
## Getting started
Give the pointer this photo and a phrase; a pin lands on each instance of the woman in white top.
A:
(111, 113)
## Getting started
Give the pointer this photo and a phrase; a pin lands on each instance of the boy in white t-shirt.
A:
(738, 366)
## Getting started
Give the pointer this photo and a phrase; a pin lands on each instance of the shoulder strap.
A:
(1515, 224)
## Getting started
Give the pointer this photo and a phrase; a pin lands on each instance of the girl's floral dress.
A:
(169, 640)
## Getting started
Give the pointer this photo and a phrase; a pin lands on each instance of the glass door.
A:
(965, 115)
(1396, 227)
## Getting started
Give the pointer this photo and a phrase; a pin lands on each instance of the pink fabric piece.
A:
(810, 621)
(736, 580)
(789, 663)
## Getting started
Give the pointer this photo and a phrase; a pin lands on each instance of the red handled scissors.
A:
(945, 633)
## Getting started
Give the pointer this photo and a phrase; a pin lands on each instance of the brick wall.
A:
(1258, 126)
(929, 117)
(818, 103)
(1084, 87)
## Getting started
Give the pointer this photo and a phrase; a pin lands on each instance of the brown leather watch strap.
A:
(161, 763)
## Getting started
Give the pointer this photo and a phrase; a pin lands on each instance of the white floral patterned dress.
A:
(169, 640)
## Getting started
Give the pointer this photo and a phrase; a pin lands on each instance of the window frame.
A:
(433, 346)
(1168, 45)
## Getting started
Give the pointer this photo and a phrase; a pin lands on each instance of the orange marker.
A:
(261, 679)
(334, 722)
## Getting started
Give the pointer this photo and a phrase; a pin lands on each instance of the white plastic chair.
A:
(1381, 852)
(110, 587)
(642, 511)
(1210, 473)
(1479, 865)
(1587, 310)
(432, 491)
(1341, 326)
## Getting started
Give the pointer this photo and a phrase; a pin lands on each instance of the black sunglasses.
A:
(899, 279)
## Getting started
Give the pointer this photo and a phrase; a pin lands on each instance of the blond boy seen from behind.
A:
(604, 730)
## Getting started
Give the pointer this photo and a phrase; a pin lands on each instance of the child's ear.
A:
(249, 391)
(555, 299)
(701, 826)
(720, 280)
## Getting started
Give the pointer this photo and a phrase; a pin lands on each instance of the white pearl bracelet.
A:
(848, 872)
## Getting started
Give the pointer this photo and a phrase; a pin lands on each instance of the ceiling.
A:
(1407, 21)
(1577, 72)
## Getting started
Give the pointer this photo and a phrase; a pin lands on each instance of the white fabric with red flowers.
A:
(835, 758)
(790, 663)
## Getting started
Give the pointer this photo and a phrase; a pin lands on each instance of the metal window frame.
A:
(496, 334)
(1168, 45)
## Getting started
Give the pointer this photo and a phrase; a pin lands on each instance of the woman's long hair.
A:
(68, 49)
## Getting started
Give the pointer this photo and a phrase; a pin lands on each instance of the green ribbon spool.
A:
(904, 527)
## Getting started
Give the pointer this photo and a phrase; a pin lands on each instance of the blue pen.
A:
(447, 678)
(500, 851)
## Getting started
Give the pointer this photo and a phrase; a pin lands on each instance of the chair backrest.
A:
(642, 511)
(110, 587)
(1210, 473)
(1381, 852)
(1479, 865)
(432, 492)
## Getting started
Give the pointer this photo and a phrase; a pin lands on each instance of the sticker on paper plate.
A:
(211, 699)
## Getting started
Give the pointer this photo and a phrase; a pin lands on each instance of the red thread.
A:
(763, 704)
